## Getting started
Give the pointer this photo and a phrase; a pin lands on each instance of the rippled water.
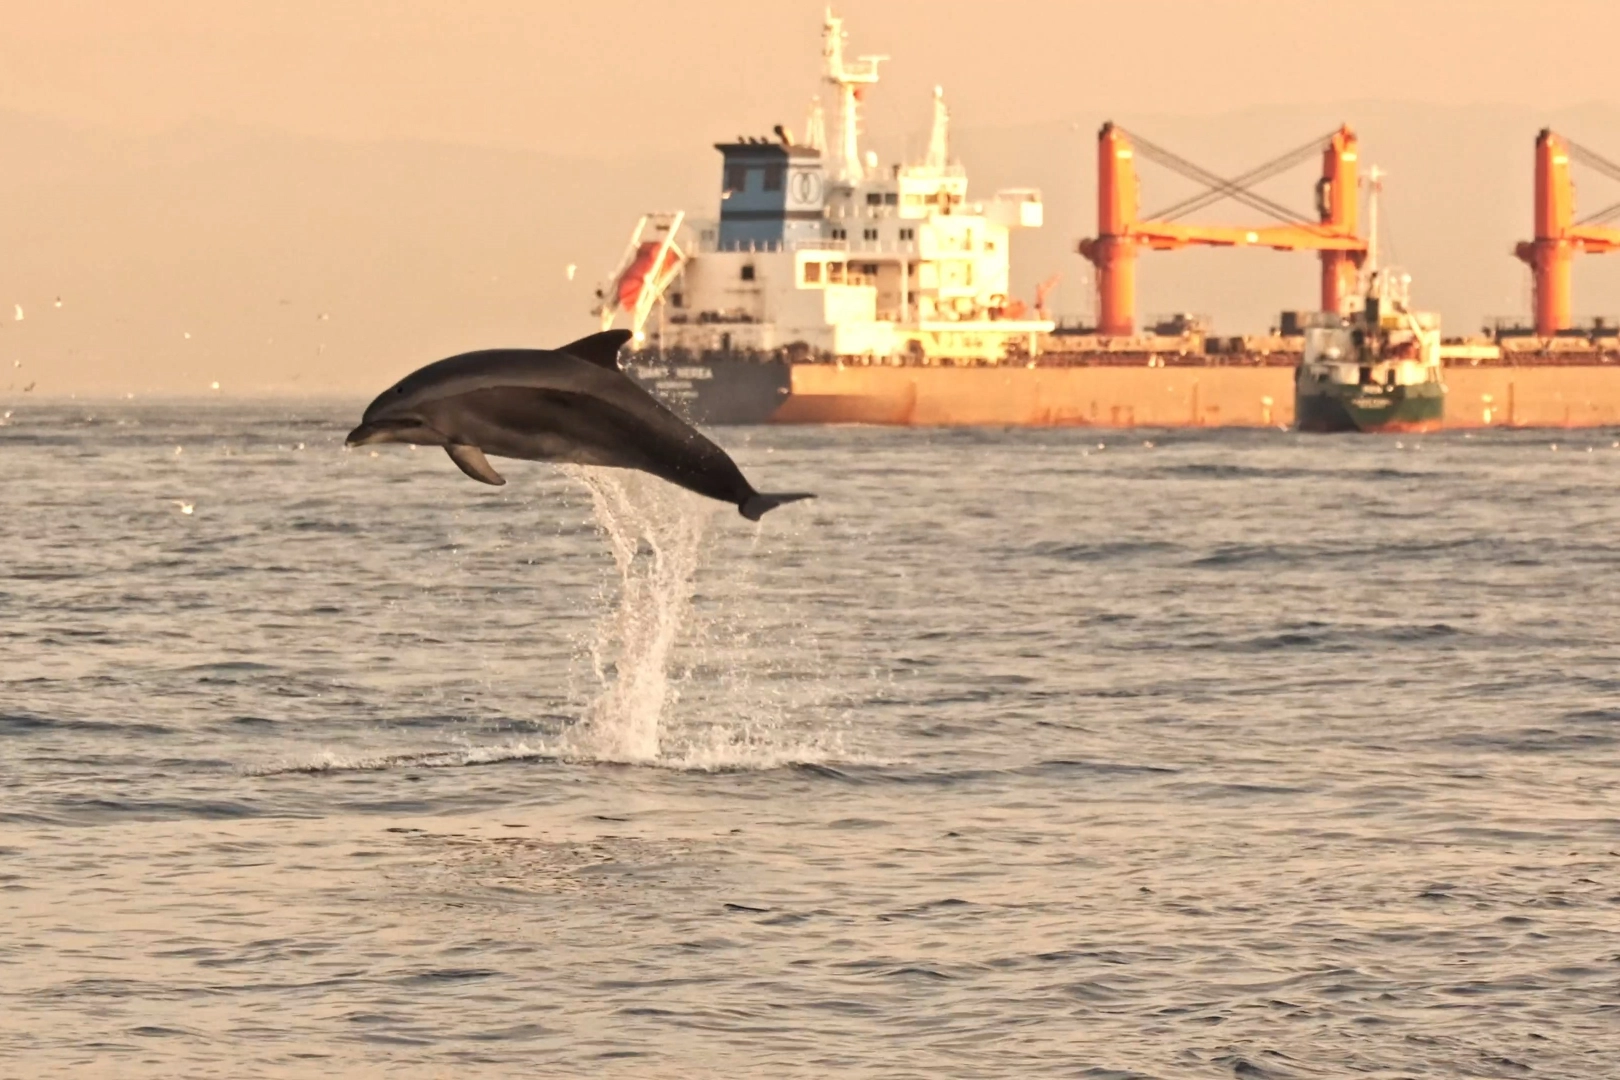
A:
(1021, 753)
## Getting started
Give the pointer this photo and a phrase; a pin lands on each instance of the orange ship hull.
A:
(734, 391)
(1039, 396)
(1124, 397)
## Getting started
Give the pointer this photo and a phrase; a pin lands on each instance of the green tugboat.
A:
(1373, 370)
(1376, 368)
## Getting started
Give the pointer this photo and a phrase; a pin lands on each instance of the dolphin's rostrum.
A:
(570, 404)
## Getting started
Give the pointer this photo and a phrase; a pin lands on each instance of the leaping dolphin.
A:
(570, 404)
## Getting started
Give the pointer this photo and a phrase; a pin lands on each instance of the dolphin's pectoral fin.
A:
(472, 461)
(600, 349)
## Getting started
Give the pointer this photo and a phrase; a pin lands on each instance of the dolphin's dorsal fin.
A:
(600, 349)
(472, 461)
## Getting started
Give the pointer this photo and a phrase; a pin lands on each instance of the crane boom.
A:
(1120, 233)
(1558, 237)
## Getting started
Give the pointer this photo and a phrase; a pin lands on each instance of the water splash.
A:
(673, 678)
(689, 660)
(655, 533)
(680, 688)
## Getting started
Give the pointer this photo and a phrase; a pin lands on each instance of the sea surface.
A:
(1015, 754)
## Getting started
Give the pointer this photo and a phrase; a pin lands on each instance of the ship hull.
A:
(1418, 408)
(730, 389)
(717, 390)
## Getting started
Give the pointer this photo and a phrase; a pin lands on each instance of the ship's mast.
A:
(849, 79)
(1388, 284)
(815, 126)
(1375, 187)
(939, 137)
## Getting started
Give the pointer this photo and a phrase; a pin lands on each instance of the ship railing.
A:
(954, 171)
(1516, 326)
(882, 247)
(750, 246)
(770, 246)
(1178, 323)
(911, 212)
(856, 211)
(857, 247)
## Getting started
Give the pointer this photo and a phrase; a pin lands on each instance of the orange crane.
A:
(1558, 235)
(1017, 309)
(1120, 232)
(1042, 291)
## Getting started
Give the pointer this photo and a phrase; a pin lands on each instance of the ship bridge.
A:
(772, 195)
(818, 246)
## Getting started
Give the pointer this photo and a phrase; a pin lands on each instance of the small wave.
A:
(1423, 631)
(1238, 554)
(157, 1031)
(1593, 716)
(75, 809)
(721, 757)
(1100, 552)
(1226, 471)
(1529, 740)
(1067, 766)
(716, 756)
(892, 772)
(29, 723)
(1314, 634)
(328, 761)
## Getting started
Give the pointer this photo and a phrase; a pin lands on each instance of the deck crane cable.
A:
(1259, 174)
(1186, 168)
(1181, 165)
(1607, 214)
(1254, 176)
(1607, 168)
(1594, 159)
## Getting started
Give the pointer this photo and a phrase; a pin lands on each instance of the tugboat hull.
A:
(1418, 408)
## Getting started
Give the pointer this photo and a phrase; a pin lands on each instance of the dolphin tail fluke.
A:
(754, 507)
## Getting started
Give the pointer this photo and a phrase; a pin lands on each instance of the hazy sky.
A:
(321, 194)
(576, 77)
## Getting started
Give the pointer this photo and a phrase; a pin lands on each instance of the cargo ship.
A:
(831, 289)
(821, 258)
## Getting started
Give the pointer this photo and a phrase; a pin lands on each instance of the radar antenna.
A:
(815, 126)
(851, 81)
(939, 136)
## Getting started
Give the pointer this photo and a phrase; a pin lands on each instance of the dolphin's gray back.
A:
(539, 369)
(552, 406)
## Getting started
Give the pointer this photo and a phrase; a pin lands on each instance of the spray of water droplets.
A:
(654, 536)
(658, 536)
(687, 664)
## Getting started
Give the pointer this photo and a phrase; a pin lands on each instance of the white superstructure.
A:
(836, 258)
(1381, 341)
